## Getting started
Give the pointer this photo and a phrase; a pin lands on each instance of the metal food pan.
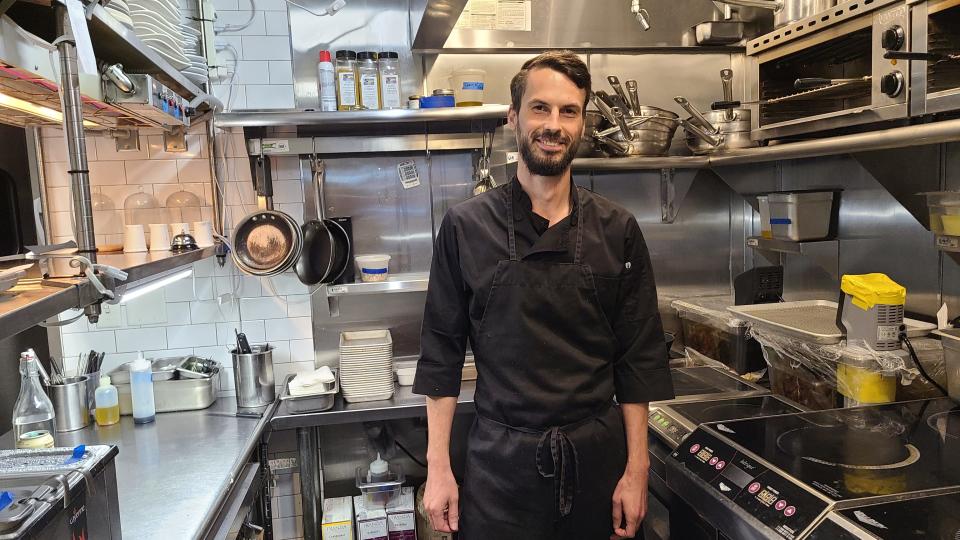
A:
(163, 370)
(810, 320)
(312, 403)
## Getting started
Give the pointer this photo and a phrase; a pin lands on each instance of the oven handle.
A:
(920, 56)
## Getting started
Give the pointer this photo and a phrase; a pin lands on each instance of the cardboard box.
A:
(371, 522)
(337, 523)
(401, 516)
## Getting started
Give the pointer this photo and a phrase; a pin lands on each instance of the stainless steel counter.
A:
(403, 404)
(174, 474)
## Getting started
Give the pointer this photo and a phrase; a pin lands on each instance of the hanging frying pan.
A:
(267, 242)
(326, 244)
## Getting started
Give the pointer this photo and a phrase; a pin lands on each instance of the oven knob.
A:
(892, 84)
(893, 38)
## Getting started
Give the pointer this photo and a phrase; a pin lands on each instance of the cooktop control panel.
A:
(781, 505)
(665, 425)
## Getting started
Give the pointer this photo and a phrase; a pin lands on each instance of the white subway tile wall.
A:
(197, 315)
(253, 66)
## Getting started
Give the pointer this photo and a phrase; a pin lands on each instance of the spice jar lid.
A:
(413, 97)
(346, 55)
(389, 54)
(443, 92)
(367, 55)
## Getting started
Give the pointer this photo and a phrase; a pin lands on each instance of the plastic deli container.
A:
(944, 212)
(468, 86)
(763, 203)
(373, 267)
(801, 216)
(712, 331)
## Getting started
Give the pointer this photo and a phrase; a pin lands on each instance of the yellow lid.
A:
(869, 290)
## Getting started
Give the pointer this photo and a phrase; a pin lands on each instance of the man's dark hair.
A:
(565, 62)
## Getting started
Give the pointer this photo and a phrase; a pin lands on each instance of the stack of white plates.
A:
(158, 24)
(366, 365)
(121, 12)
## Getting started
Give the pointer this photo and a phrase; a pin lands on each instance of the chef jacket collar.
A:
(554, 239)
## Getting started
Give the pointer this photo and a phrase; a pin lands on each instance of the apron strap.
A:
(579, 209)
(565, 470)
(511, 230)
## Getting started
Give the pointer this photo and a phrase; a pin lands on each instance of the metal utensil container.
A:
(318, 402)
(70, 404)
(253, 376)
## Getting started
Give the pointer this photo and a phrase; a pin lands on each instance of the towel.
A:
(313, 382)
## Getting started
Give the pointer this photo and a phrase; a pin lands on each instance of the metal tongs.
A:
(483, 177)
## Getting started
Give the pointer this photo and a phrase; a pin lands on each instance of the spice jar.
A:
(369, 76)
(389, 63)
(346, 71)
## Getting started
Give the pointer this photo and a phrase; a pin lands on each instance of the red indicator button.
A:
(781, 504)
(695, 448)
(754, 487)
(721, 465)
(789, 511)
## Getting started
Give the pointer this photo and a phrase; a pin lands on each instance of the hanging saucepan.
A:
(786, 11)
(266, 242)
(712, 132)
(326, 245)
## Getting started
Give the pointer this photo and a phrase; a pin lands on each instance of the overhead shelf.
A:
(399, 283)
(28, 306)
(339, 119)
(640, 163)
(783, 246)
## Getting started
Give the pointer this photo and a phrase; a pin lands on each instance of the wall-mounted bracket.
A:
(673, 189)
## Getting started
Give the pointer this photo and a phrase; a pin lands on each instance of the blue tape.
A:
(780, 221)
(5, 499)
(373, 270)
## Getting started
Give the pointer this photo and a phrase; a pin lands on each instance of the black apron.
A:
(548, 445)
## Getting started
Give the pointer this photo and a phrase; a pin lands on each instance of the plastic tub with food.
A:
(373, 267)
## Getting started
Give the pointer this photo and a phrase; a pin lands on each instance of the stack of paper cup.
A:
(203, 233)
(159, 237)
(134, 239)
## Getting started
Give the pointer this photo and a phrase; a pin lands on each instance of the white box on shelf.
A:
(402, 517)
(337, 521)
(371, 522)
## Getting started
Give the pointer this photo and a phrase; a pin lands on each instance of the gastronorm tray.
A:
(311, 403)
(811, 320)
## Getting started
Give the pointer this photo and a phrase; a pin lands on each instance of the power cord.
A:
(916, 360)
(409, 455)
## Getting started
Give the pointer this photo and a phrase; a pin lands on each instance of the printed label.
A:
(472, 85)
(408, 174)
(375, 529)
(887, 333)
(391, 91)
(275, 146)
(347, 86)
(369, 91)
(77, 519)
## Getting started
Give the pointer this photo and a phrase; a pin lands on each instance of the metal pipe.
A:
(73, 131)
(775, 5)
(307, 446)
(898, 137)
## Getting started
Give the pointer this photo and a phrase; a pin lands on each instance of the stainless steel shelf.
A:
(361, 118)
(398, 283)
(640, 163)
(782, 246)
(114, 42)
(403, 404)
(22, 310)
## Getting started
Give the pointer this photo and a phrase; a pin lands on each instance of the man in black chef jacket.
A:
(552, 284)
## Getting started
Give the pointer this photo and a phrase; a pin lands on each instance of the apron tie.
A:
(565, 469)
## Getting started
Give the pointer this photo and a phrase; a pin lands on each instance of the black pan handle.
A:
(723, 105)
(808, 83)
(913, 56)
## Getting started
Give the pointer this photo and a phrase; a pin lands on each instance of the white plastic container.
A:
(141, 390)
(468, 86)
(406, 375)
(763, 202)
(373, 268)
(800, 216)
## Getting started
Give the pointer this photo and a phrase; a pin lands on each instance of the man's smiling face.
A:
(549, 122)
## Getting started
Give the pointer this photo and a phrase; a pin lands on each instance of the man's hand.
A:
(441, 499)
(629, 503)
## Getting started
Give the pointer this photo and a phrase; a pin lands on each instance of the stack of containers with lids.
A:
(365, 80)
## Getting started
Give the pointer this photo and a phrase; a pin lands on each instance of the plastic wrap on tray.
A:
(846, 374)
(712, 330)
(709, 310)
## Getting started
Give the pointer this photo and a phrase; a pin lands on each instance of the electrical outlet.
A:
(109, 317)
(150, 308)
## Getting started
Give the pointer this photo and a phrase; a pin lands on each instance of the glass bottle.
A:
(33, 425)
(347, 81)
(369, 77)
(389, 63)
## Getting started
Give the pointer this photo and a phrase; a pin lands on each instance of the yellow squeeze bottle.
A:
(107, 403)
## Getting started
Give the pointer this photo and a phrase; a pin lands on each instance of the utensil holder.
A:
(253, 376)
(70, 404)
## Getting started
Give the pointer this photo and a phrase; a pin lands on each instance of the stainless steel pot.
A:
(643, 136)
(713, 131)
(786, 11)
(592, 122)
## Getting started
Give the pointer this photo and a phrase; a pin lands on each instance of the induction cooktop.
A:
(935, 516)
(780, 475)
(673, 422)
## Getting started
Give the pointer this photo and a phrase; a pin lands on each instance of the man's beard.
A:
(551, 165)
